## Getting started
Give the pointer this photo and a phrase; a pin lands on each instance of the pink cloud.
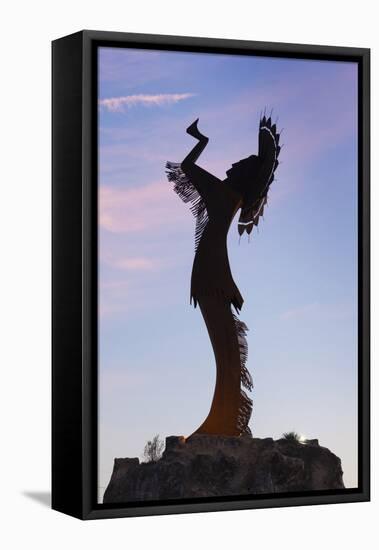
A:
(133, 264)
(136, 209)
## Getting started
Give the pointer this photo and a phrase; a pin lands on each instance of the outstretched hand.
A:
(194, 131)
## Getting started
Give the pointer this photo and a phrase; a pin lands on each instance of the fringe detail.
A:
(246, 404)
(199, 210)
(241, 328)
(244, 414)
(185, 189)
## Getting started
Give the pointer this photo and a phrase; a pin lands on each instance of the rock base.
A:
(213, 466)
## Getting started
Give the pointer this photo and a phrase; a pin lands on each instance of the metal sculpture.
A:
(214, 204)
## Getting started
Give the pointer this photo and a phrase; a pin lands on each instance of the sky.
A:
(298, 274)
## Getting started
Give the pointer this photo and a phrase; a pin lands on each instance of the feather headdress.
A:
(268, 153)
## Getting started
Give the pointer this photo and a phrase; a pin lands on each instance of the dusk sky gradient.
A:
(298, 274)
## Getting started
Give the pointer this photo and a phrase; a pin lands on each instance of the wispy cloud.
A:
(137, 209)
(119, 104)
(133, 263)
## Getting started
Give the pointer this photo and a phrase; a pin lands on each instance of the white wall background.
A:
(27, 29)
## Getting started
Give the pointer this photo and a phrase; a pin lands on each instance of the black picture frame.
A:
(74, 273)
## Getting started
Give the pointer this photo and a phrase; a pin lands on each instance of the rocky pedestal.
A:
(210, 466)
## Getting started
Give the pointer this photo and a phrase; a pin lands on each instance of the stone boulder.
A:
(213, 466)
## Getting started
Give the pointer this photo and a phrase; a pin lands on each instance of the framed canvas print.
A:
(210, 274)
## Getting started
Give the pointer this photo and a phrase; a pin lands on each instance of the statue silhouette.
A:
(215, 203)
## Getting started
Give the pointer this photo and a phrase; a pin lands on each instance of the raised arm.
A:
(193, 155)
(202, 180)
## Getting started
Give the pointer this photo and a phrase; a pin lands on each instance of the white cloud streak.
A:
(119, 104)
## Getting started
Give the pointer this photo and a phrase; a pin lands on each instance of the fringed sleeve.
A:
(186, 190)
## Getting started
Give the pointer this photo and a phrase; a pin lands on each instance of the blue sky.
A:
(298, 275)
